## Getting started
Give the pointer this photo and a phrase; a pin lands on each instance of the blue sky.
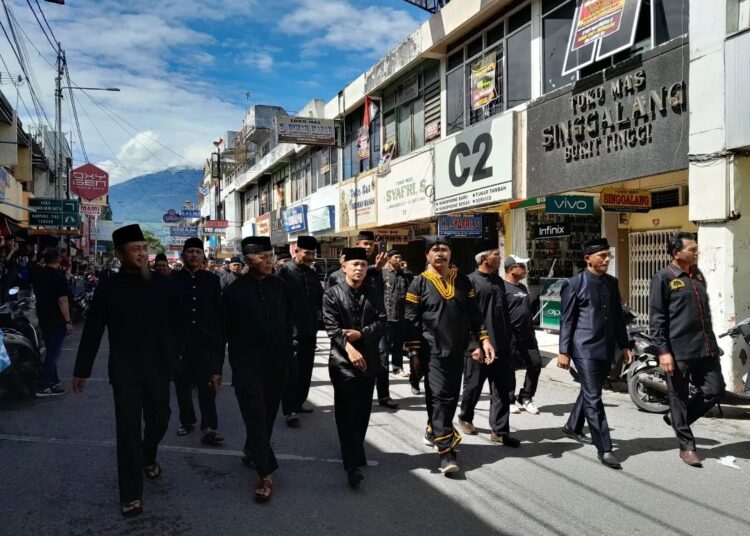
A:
(184, 66)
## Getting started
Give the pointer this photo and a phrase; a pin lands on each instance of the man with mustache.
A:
(140, 310)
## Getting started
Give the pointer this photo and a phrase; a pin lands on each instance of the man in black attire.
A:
(201, 344)
(524, 337)
(442, 322)
(354, 318)
(140, 310)
(395, 285)
(680, 322)
(307, 298)
(258, 325)
(591, 329)
(233, 271)
(490, 297)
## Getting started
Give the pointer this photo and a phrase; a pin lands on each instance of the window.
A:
(250, 204)
(555, 34)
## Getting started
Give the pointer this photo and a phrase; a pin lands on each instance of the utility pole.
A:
(58, 122)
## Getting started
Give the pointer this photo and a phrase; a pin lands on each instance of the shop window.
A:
(454, 111)
(671, 19)
(519, 67)
(556, 23)
(665, 198)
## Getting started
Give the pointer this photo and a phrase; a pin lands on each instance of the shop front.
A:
(357, 204)
(321, 221)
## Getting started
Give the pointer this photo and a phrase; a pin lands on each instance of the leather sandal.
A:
(263, 490)
(131, 509)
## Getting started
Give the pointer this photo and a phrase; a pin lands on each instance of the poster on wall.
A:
(358, 203)
(601, 28)
(363, 143)
(483, 81)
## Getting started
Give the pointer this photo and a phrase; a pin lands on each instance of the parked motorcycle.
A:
(23, 342)
(81, 295)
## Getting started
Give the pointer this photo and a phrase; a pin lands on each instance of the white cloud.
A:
(263, 61)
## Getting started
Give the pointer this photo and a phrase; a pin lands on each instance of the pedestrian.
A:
(161, 264)
(442, 322)
(258, 325)
(489, 290)
(281, 260)
(307, 295)
(233, 271)
(53, 312)
(140, 310)
(395, 285)
(680, 322)
(355, 320)
(211, 264)
(526, 348)
(592, 327)
(201, 344)
(337, 277)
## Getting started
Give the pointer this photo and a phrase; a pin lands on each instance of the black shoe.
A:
(292, 421)
(212, 438)
(388, 402)
(415, 390)
(581, 438)
(448, 463)
(303, 409)
(668, 418)
(52, 390)
(609, 459)
(355, 478)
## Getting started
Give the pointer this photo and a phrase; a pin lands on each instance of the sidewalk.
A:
(549, 344)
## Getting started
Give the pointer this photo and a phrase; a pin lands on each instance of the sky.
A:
(188, 69)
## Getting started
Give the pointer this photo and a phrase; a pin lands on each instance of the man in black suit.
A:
(140, 310)
(592, 328)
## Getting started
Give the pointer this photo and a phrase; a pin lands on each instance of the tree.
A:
(154, 244)
(106, 214)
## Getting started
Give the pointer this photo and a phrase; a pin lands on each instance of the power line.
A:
(45, 21)
(75, 112)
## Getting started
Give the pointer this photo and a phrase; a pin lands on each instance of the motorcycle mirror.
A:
(13, 291)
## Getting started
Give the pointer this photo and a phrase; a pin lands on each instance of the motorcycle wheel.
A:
(19, 381)
(647, 399)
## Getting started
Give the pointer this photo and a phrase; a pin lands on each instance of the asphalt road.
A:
(57, 473)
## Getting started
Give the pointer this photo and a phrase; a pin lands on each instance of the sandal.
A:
(131, 509)
(152, 472)
(212, 438)
(263, 490)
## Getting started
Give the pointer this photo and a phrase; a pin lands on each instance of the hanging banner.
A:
(263, 225)
(483, 81)
(363, 143)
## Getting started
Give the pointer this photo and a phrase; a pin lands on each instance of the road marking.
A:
(168, 448)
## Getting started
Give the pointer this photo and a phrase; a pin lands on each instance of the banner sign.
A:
(214, 231)
(54, 212)
(483, 81)
(363, 143)
(393, 236)
(306, 130)
(90, 210)
(191, 213)
(295, 219)
(551, 230)
(89, 182)
(405, 193)
(216, 224)
(171, 217)
(620, 200)
(183, 230)
(262, 225)
(358, 203)
(178, 241)
(321, 219)
(464, 226)
(570, 204)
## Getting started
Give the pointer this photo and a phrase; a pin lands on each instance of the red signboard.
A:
(89, 182)
(216, 224)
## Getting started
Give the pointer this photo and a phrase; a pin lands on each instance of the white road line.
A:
(169, 448)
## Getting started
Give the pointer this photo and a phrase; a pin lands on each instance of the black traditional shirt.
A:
(490, 296)
(442, 316)
(519, 311)
(395, 285)
(680, 316)
(307, 297)
(336, 278)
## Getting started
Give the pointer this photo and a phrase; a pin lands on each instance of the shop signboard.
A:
(321, 219)
(551, 230)
(393, 236)
(306, 130)
(171, 217)
(621, 200)
(295, 219)
(475, 166)
(54, 212)
(278, 231)
(89, 182)
(569, 204)
(188, 213)
(483, 81)
(183, 230)
(216, 224)
(90, 210)
(633, 124)
(464, 226)
(358, 203)
(214, 231)
(404, 194)
(263, 225)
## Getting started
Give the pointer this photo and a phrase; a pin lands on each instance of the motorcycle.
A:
(81, 295)
(22, 340)
(647, 384)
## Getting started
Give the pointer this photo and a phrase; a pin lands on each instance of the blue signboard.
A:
(183, 230)
(171, 216)
(295, 219)
(465, 226)
(191, 213)
(570, 204)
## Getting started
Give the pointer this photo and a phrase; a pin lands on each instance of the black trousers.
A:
(299, 376)
(146, 401)
(705, 375)
(501, 377)
(195, 372)
(442, 385)
(352, 404)
(383, 382)
(589, 406)
(258, 395)
(532, 360)
(395, 339)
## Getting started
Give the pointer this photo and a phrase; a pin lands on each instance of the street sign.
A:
(54, 212)
(183, 230)
(191, 213)
(89, 182)
(171, 216)
(90, 210)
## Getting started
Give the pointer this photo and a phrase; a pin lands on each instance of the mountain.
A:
(146, 198)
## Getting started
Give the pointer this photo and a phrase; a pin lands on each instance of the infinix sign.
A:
(570, 204)
(551, 230)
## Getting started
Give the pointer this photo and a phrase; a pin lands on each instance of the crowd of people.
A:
(175, 325)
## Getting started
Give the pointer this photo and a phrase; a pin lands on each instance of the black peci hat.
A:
(127, 234)
(434, 240)
(160, 257)
(595, 246)
(354, 254)
(392, 252)
(255, 244)
(365, 235)
(192, 242)
(309, 243)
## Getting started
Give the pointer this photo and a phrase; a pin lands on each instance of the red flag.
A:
(366, 118)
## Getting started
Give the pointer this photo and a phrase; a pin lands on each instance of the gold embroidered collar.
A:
(446, 287)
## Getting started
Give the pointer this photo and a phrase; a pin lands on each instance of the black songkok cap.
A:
(486, 245)
(355, 254)
(595, 246)
(392, 252)
(235, 259)
(366, 235)
(192, 243)
(307, 242)
(129, 233)
(255, 244)
(283, 256)
(160, 257)
(434, 240)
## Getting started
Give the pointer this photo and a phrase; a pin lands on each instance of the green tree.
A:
(106, 213)
(154, 244)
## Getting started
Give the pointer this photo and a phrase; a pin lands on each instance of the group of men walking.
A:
(454, 327)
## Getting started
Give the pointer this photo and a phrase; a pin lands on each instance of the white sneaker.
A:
(515, 409)
(531, 408)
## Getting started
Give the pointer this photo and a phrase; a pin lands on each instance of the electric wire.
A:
(75, 112)
(49, 40)
(45, 21)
